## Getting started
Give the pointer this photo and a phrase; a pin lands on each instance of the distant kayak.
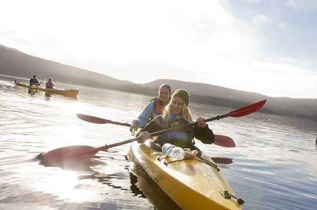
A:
(69, 93)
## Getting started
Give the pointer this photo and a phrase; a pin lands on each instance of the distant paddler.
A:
(34, 81)
(50, 84)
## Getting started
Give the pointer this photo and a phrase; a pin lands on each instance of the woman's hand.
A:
(201, 122)
(145, 135)
(134, 127)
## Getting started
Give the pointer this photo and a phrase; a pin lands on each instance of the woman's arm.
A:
(154, 125)
(205, 135)
(202, 132)
(145, 115)
(143, 118)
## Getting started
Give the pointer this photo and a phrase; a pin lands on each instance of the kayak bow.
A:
(191, 184)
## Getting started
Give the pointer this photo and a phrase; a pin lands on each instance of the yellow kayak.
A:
(192, 184)
(68, 93)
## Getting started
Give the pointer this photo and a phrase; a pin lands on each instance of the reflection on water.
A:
(274, 163)
(48, 95)
(151, 190)
(33, 91)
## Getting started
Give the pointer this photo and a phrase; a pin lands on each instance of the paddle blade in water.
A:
(222, 160)
(224, 141)
(69, 157)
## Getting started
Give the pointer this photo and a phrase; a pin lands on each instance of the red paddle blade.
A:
(69, 157)
(224, 141)
(92, 119)
(246, 110)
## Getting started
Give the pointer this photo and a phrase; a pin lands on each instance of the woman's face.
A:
(177, 105)
(164, 94)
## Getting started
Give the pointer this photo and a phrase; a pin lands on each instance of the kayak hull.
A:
(69, 93)
(191, 184)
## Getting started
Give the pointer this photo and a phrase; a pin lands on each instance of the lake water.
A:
(274, 164)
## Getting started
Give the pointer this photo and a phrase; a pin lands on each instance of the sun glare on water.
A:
(66, 186)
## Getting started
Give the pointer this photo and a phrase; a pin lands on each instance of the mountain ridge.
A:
(19, 64)
(16, 63)
(292, 107)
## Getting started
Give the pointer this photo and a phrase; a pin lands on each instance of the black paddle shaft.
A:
(236, 113)
(184, 126)
(162, 131)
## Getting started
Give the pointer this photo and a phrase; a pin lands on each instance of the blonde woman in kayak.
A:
(176, 113)
(153, 108)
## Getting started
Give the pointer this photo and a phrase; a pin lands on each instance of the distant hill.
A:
(209, 90)
(18, 64)
(216, 95)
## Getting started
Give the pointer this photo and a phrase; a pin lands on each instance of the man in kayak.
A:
(153, 108)
(49, 84)
(34, 81)
(175, 114)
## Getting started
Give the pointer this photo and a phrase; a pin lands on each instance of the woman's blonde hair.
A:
(186, 114)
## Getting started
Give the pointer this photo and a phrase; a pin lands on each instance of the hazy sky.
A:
(263, 46)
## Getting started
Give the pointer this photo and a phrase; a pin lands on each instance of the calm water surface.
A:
(274, 164)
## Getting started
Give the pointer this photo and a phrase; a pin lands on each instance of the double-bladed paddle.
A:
(220, 140)
(72, 155)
